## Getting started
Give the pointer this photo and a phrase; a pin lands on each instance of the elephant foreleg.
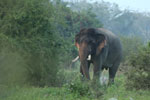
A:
(96, 70)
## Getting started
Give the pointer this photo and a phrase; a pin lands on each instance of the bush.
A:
(27, 61)
(28, 42)
(138, 76)
(130, 45)
(65, 76)
(78, 88)
(12, 63)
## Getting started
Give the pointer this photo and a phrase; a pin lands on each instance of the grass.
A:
(117, 90)
(32, 93)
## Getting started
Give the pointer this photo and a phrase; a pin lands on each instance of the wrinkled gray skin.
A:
(105, 50)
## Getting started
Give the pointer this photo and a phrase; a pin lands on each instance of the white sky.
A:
(137, 5)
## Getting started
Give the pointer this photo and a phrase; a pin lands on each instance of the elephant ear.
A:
(77, 45)
(77, 40)
(101, 42)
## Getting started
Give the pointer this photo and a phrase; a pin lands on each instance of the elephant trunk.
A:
(85, 69)
(84, 63)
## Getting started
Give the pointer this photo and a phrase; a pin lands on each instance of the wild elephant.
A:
(100, 47)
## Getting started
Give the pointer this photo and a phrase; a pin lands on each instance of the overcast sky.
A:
(138, 5)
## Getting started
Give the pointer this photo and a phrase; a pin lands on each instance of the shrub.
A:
(12, 63)
(65, 76)
(138, 75)
(28, 41)
(130, 45)
(78, 88)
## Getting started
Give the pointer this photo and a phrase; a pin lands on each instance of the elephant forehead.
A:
(86, 38)
(84, 44)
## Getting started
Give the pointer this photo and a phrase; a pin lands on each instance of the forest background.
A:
(37, 43)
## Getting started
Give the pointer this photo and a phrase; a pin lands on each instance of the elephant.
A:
(99, 47)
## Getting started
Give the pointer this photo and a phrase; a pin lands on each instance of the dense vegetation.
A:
(37, 47)
(75, 91)
(33, 36)
(139, 73)
(26, 29)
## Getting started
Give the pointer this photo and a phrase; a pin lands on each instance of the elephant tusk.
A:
(74, 60)
(89, 57)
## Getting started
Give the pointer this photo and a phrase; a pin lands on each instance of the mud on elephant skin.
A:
(101, 48)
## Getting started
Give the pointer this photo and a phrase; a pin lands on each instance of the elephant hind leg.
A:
(113, 70)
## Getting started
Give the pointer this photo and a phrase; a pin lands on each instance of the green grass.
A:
(39, 94)
(117, 90)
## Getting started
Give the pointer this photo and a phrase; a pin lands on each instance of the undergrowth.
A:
(76, 90)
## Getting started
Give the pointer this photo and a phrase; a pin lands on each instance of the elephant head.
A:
(89, 44)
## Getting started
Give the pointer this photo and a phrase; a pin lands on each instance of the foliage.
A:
(66, 76)
(124, 22)
(78, 88)
(12, 64)
(117, 91)
(26, 28)
(37, 36)
(130, 45)
(139, 73)
(26, 18)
